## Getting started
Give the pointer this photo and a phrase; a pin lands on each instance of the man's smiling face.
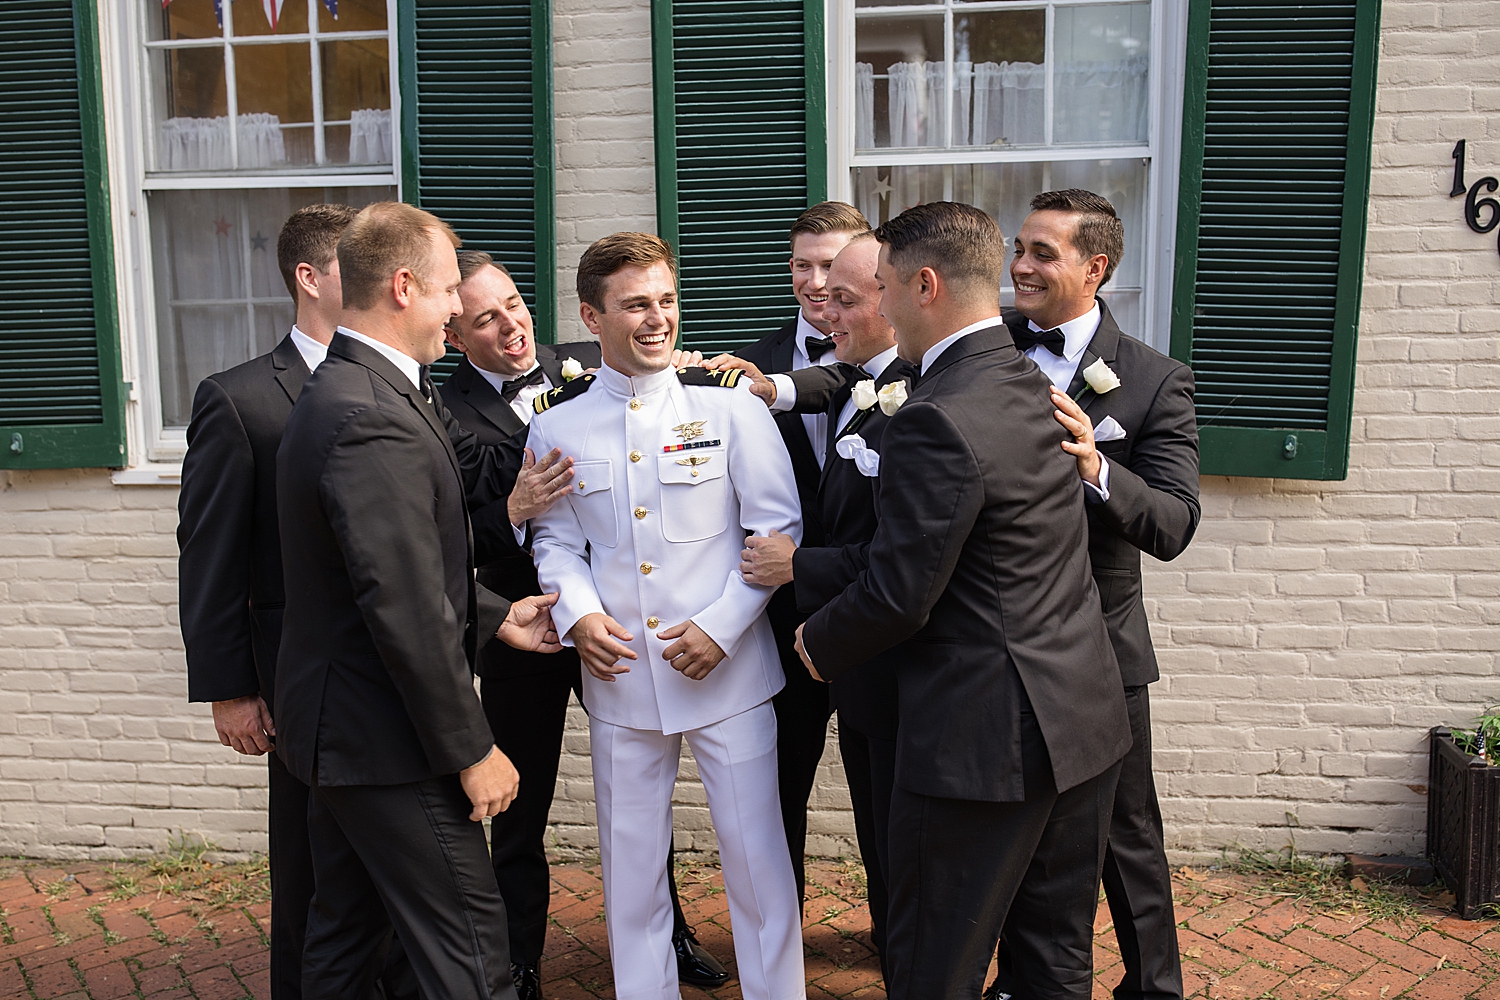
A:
(1053, 281)
(638, 326)
(812, 256)
(495, 329)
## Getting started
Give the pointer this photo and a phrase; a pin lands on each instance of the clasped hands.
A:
(600, 641)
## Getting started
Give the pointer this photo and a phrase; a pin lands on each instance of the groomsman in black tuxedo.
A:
(1128, 411)
(802, 707)
(525, 694)
(856, 395)
(231, 591)
(1011, 718)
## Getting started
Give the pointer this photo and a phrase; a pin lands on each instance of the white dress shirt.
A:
(409, 366)
(873, 368)
(1077, 334)
(522, 403)
(651, 535)
(312, 352)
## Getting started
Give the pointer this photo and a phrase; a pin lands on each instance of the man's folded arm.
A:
(816, 385)
(216, 519)
(490, 611)
(930, 497)
(1153, 504)
(377, 489)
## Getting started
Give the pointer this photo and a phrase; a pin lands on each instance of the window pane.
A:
(356, 90)
(1103, 54)
(250, 18)
(192, 108)
(900, 83)
(274, 84)
(354, 15)
(220, 299)
(1000, 78)
(182, 19)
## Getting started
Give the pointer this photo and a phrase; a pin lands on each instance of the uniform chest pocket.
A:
(694, 494)
(593, 500)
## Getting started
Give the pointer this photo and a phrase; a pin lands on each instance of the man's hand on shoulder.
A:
(529, 625)
(540, 484)
(1078, 424)
(687, 359)
(245, 724)
(767, 560)
(491, 785)
(694, 653)
(760, 384)
(595, 637)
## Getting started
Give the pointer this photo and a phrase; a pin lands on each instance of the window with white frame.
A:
(991, 102)
(246, 110)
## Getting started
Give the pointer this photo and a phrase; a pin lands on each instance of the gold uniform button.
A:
(635, 456)
(640, 513)
(635, 404)
(582, 485)
(653, 623)
(646, 569)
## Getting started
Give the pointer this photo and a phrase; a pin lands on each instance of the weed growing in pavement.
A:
(1321, 885)
(96, 914)
(122, 884)
(60, 888)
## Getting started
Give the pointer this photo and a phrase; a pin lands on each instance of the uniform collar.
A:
(640, 385)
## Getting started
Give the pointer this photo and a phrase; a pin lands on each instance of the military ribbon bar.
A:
(692, 444)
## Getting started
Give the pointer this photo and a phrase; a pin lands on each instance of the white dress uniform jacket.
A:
(668, 479)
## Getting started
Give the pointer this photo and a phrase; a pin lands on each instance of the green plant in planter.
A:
(1484, 739)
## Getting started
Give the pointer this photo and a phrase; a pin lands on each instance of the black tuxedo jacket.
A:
(229, 574)
(979, 570)
(383, 617)
(866, 698)
(1153, 480)
(504, 566)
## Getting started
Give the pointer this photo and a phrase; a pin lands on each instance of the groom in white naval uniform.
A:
(672, 468)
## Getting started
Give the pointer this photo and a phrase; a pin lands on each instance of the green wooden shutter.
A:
(1277, 118)
(476, 126)
(741, 150)
(61, 395)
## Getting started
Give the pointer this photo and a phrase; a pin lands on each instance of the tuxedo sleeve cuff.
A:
(1100, 493)
(786, 393)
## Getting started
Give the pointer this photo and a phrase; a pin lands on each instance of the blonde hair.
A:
(384, 238)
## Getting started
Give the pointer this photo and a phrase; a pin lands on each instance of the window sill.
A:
(148, 474)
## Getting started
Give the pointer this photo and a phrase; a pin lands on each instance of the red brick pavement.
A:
(65, 936)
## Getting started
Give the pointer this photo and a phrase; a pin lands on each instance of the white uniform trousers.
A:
(635, 771)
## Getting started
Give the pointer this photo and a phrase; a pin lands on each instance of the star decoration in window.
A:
(221, 226)
(882, 188)
(258, 242)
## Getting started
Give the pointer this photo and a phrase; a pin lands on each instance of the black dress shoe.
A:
(528, 982)
(695, 966)
(995, 993)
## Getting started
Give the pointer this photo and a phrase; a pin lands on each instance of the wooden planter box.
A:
(1463, 823)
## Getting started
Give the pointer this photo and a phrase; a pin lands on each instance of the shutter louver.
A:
(60, 392)
(1278, 106)
(734, 106)
(478, 132)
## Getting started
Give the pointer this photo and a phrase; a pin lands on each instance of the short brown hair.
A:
(471, 262)
(958, 241)
(615, 253)
(1099, 229)
(382, 239)
(310, 236)
(829, 217)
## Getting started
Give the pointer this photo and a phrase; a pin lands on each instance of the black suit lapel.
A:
(485, 401)
(784, 349)
(291, 368)
(1103, 347)
(362, 354)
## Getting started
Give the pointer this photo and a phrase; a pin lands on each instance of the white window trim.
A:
(1168, 67)
(155, 452)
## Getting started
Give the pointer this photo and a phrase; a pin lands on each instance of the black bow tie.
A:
(424, 381)
(1052, 340)
(513, 386)
(817, 348)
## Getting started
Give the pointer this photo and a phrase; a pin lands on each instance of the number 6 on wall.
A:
(1472, 202)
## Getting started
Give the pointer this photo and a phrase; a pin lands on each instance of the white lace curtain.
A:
(1004, 103)
(370, 136)
(203, 143)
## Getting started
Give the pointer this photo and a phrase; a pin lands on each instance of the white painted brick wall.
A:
(1308, 638)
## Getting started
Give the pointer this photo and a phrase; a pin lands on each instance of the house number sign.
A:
(1481, 213)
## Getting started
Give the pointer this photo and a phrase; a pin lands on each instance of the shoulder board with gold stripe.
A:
(576, 386)
(726, 379)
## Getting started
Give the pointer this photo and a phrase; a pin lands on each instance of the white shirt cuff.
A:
(1100, 493)
(520, 534)
(786, 393)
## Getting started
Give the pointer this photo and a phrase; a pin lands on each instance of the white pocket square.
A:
(1109, 429)
(865, 459)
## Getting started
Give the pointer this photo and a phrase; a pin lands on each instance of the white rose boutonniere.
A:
(571, 369)
(1101, 378)
(891, 397)
(864, 394)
